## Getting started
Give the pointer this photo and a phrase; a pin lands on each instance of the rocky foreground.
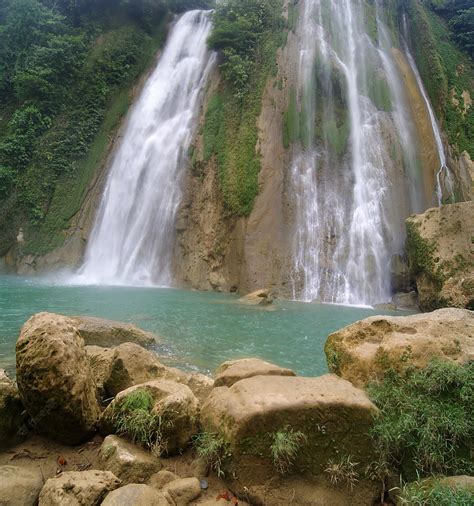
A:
(95, 418)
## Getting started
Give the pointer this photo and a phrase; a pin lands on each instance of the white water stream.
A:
(133, 235)
(356, 179)
(448, 185)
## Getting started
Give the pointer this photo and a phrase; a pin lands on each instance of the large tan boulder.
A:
(109, 333)
(19, 486)
(174, 404)
(333, 417)
(126, 365)
(127, 461)
(135, 495)
(365, 350)
(12, 416)
(78, 488)
(232, 371)
(261, 297)
(440, 252)
(55, 378)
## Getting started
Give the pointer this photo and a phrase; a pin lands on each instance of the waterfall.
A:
(133, 235)
(443, 167)
(354, 173)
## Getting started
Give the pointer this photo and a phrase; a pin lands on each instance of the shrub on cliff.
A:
(426, 419)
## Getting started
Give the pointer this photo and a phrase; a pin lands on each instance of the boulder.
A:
(131, 365)
(365, 350)
(232, 371)
(407, 300)
(135, 495)
(19, 486)
(55, 378)
(441, 255)
(182, 491)
(109, 333)
(116, 369)
(100, 360)
(77, 488)
(12, 415)
(330, 417)
(129, 462)
(161, 478)
(173, 402)
(258, 298)
(200, 384)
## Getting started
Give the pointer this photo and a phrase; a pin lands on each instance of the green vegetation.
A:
(424, 493)
(133, 418)
(284, 448)
(426, 419)
(214, 450)
(343, 471)
(247, 34)
(447, 72)
(459, 15)
(66, 70)
(420, 255)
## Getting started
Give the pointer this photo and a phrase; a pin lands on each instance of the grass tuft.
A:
(285, 447)
(342, 471)
(133, 418)
(214, 450)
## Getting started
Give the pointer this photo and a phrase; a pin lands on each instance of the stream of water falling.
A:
(443, 167)
(354, 176)
(132, 239)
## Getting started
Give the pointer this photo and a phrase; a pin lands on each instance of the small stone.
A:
(204, 484)
(161, 478)
(135, 495)
(181, 492)
(77, 488)
(129, 462)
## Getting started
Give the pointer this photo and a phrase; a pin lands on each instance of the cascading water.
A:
(448, 185)
(354, 172)
(132, 239)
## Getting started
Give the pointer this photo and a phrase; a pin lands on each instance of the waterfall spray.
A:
(133, 235)
(350, 185)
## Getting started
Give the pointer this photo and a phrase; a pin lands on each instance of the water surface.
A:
(199, 330)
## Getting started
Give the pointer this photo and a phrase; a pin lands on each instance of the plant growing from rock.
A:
(214, 450)
(284, 449)
(426, 419)
(133, 418)
(342, 470)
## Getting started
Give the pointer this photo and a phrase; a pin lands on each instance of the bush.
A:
(426, 419)
(421, 493)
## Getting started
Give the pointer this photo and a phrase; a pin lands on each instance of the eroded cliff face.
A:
(216, 250)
